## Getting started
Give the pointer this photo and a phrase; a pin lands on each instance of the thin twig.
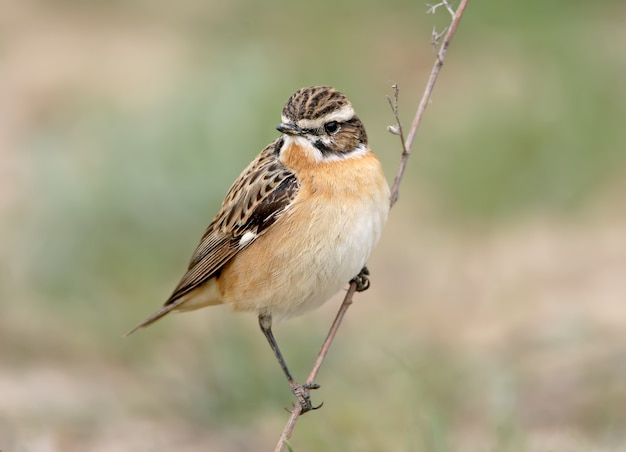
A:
(393, 103)
(407, 144)
(421, 108)
(449, 8)
(435, 38)
(432, 9)
(297, 409)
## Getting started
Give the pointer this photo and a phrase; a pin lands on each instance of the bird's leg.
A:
(300, 391)
(362, 280)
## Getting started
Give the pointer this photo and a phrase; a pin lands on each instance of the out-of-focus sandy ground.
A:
(496, 318)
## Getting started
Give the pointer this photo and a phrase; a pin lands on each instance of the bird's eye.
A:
(331, 127)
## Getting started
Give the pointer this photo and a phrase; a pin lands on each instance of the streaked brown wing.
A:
(255, 201)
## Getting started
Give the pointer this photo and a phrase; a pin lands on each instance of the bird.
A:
(296, 226)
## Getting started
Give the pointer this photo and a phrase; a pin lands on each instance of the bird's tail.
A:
(154, 317)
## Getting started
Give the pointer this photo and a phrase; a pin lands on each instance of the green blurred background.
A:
(496, 317)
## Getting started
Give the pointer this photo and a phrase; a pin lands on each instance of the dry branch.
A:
(407, 144)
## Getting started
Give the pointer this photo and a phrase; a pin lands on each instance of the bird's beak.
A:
(289, 128)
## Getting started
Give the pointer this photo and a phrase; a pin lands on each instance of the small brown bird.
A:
(296, 226)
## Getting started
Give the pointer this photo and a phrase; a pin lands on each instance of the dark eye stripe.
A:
(325, 150)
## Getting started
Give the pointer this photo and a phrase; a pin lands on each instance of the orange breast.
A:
(315, 247)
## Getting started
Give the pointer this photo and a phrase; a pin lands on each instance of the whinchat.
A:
(298, 223)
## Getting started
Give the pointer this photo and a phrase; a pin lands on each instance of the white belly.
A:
(334, 248)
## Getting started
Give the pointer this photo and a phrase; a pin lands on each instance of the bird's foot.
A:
(362, 280)
(304, 398)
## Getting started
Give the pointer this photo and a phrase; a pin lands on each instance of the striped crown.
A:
(314, 103)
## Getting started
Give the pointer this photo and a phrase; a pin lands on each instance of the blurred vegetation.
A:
(125, 123)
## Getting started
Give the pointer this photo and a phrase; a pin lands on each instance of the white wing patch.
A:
(246, 238)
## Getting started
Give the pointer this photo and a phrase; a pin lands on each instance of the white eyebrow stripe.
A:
(345, 113)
